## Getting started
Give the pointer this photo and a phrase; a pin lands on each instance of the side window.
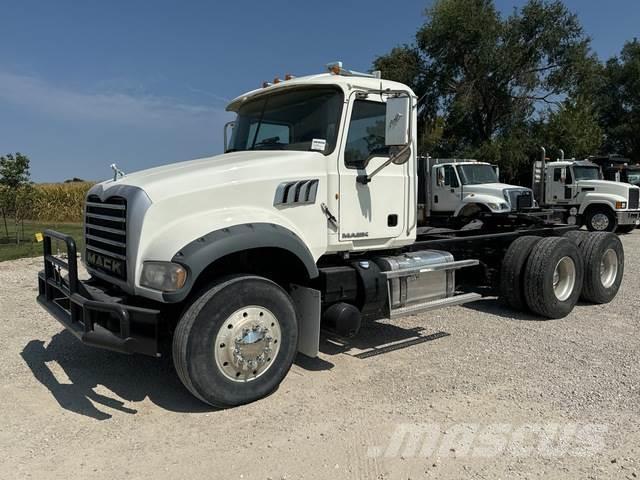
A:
(569, 177)
(366, 133)
(450, 178)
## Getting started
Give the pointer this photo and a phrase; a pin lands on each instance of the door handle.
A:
(453, 190)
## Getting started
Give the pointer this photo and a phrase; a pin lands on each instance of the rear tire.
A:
(576, 236)
(604, 266)
(600, 219)
(236, 342)
(553, 277)
(512, 271)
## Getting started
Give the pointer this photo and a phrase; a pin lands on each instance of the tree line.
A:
(498, 87)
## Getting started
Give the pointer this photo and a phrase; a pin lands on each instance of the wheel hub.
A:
(564, 278)
(608, 268)
(247, 343)
(600, 221)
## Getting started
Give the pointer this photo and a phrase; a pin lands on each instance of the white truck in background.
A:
(576, 191)
(454, 192)
(231, 263)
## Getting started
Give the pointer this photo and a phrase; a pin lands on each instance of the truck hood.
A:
(607, 186)
(210, 172)
(496, 189)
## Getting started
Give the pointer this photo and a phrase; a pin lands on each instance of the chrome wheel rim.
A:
(247, 343)
(608, 268)
(600, 221)
(564, 278)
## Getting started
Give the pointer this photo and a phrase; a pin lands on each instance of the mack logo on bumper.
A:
(107, 264)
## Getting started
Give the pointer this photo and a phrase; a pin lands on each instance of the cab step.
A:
(434, 304)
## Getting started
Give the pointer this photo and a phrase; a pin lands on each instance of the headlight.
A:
(621, 205)
(498, 206)
(163, 276)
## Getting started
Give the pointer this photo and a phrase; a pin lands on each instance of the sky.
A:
(87, 84)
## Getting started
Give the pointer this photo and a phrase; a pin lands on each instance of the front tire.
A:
(601, 219)
(236, 342)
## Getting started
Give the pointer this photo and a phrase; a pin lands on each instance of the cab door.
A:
(375, 210)
(447, 192)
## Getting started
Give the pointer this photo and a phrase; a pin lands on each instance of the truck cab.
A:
(577, 191)
(618, 169)
(231, 263)
(455, 191)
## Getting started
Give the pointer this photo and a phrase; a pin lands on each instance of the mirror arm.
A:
(364, 178)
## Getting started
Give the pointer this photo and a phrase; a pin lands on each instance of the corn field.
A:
(58, 202)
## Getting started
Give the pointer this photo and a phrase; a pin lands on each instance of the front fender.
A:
(161, 240)
(478, 199)
(609, 200)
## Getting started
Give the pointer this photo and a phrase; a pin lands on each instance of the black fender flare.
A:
(197, 255)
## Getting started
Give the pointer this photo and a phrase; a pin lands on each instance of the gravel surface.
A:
(503, 395)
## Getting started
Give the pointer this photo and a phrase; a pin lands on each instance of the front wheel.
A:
(600, 219)
(236, 341)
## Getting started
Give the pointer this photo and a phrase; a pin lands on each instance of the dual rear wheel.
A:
(549, 275)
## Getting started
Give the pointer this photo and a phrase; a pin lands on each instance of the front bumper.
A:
(630, 217)
(88, 311)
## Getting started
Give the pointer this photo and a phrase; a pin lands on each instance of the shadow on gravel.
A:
(375, 339)
(496, 307)
(130, 377)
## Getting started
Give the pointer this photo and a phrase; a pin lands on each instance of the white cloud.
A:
(117, 108)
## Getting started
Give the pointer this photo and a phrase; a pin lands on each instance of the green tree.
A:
(16, 193)
(485, 78)
(618, 102)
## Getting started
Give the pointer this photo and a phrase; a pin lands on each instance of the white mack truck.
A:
(231, 263)
(575, 189)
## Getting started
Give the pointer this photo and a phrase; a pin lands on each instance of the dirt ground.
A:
(475, 392)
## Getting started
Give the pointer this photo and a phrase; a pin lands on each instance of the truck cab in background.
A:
(453, 192)
(618, 169)
(577, 192)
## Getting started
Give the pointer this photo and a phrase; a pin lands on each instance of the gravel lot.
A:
(503, 395)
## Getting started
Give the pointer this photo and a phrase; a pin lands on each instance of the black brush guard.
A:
(87, 311)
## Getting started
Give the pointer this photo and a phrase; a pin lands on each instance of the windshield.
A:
(292, 120)
(477, 174)
(586, 173)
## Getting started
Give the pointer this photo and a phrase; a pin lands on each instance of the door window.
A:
(450, 178)
(366, 133)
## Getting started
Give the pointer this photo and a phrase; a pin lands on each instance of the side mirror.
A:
(226, 136)
(397, 121)
(497, 170)
(440, 177)
(563, 175)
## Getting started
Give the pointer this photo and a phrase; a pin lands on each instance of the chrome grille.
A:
(634, 198)
(106, 235)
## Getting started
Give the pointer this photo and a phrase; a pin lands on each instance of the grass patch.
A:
(28, 247)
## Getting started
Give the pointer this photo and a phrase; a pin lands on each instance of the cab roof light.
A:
(288, 76)
(336, 69)
(266, 84)
(276, 80)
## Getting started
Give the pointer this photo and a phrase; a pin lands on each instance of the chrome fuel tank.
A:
(415, 282)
